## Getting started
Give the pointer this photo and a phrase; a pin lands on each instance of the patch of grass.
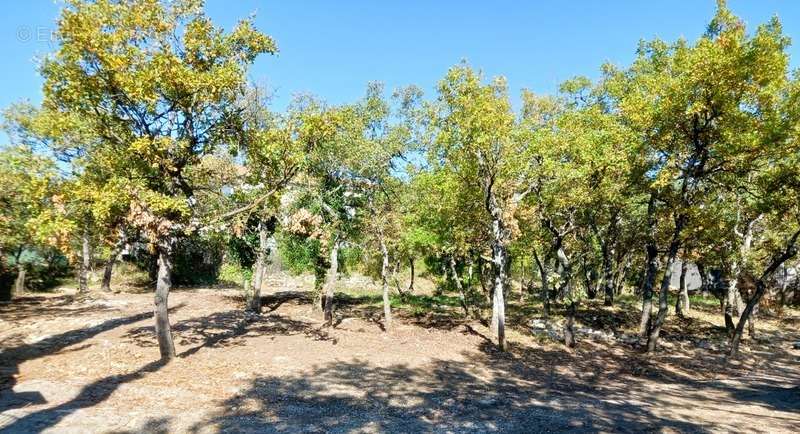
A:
(408, 301)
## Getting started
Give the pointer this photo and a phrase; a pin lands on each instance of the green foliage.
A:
(234, 274)
(197, 261)
(298, 254)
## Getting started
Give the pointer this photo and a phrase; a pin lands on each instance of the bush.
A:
(298, 254)
(197, 261)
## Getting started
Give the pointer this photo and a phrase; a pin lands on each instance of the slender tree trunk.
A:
(789, 252)
(751, 322)
(330, 282)
(590, 277)
(569, 324)
(166, 346)
(83, 276)
(784, 285)
(500, 261)
(19, 282)
(545, 287)
(651, 269)
(567, 294)
(608, 278)
(663, 302)
(112, 260)
(462, 296)
(731, 285)
(254, 304)
(108, 270)
(701, 270)
(411, 282)
(482, 279)
(470, 267)
(682, 301)
(647, 289)
(565, 270)
(387, 307)
(619, 280)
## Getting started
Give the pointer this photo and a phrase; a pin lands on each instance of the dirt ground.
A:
(89, 364)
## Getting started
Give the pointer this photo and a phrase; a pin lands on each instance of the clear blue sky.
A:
(333, 48)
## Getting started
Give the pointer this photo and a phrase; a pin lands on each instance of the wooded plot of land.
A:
(87, 365)
(178, 256)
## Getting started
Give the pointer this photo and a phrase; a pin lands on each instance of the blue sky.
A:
(333, 48)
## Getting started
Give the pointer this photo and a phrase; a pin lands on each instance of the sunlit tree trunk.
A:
(462, 296)
(545, 286)
(682, 301)
(83, 275)
(568, 295)
(387, 306)
(166, 346)
(499, 256)
(19, 282)
(330, 282)
(108, 270)
(260, 266)
(663, 302)
(500, 265)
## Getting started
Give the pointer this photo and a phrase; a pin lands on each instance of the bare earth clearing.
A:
(89, 365)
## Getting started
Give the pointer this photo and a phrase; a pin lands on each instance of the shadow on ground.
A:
(529, 389)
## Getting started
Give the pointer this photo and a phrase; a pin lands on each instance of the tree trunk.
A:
(565, 270)
(545, 288)
(608, 278)
(663, 302)
(569, 322)
(254, 304)
(469, 273)
(387, 307)
(19, 282)
(701, 270)
(108, 270)
(83, 276)
(789, 252)
(751, 322)
(590, 277)
(112, 260)
(651, 269)
(411, 282)
(330, 282)
(567, 294)
(682, 301)
(500, 259)
(166, 347)
(621, 274)
(462, 296)
(730, 284)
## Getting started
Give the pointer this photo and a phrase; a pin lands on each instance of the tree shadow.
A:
(486, 392)
(91, 395)
(271, 302)
(156, 425)
(16, 351)
(227, 329)
(27, 307)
